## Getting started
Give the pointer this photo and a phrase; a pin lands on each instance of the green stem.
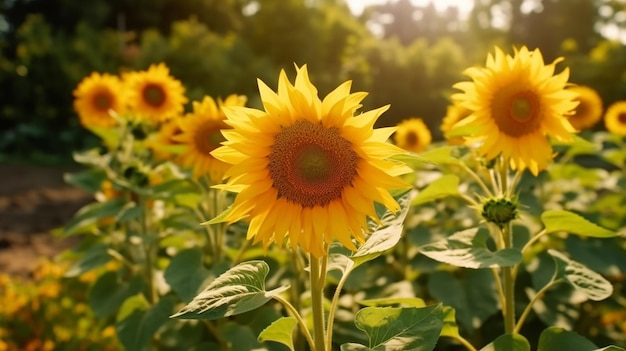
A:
(527, 246)
(477, 179)
(465, 343)
(535, 298)
(509, 285)
(318, 278)
(496, 277)
(149, 251)
(298, 317)
(333, 309)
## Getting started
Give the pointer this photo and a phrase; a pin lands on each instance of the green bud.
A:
(499, 211)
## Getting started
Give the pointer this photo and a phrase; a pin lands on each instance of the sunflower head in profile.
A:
(517, 102)
(96, 96)
(615, 118)
(589, 109)
(412, 135)
(201, 133)
(155, 95)
(306, 169)
(454, 114)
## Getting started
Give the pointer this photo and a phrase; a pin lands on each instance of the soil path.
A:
(33, 201)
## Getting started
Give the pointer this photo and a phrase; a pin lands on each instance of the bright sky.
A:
(464, 5)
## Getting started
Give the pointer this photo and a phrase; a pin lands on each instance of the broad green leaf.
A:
(386, 234)
(440, 155)
(560, 220)
(186, 273)
(399, 329)
(590, 283)
(93, 212)
(109, 292)
(110, 136)
(579, 146)
(129, 212)
(610, 348)
(89, 180)
(401, 301)
(468, 249)
(450, 327)
(137, 328)
(238, 290)
(446, 185)
(511, 342)
(340, 262)
(96, 256)
(239, 337)
(554, 338)
(280, 331)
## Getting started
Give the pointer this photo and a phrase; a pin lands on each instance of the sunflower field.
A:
(277, 207)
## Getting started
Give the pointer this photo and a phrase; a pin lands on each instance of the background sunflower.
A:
(413, 135)
(96, 97)
(589, 109)
(615, 118)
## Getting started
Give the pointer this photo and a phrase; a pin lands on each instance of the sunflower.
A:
(615, 118)
(306, 169)
(589, 110)
(454, 114)
(164, 140)
(95, 97)
(413, 135)
(516, 102)
(202, 133)
(154, 94)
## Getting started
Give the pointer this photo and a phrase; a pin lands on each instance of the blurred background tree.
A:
(403, 54)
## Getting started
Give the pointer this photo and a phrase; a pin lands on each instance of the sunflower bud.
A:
(499, 211)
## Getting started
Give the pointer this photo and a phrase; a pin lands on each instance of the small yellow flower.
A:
(154, 94)
(615, 118)
(589, 110)
(96, 96)
(517, 102)
(202, 133)
(454, 114)
(164, 140)
(308, 169)
(413, 135)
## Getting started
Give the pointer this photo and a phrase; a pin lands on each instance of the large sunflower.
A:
(95, 97)
(163, 142)
(412, 135)
(615, 118)
(154, 94)
(589, 110)
(516, 102)
(201, 133)
(454, 113)
(308, 169)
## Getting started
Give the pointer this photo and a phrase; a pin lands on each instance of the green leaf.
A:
(96, 256)
(388, 301)
(590, 283)
(398, 329)
(450, 327)
(555, 338)
(468, 249)
(511, 342)
(281, 330)
(610, 348)
(129, 212)
(89, 180)
(560, 220)
(446, 185)
(139, 324)
(385, 235)
(93, 212)
(109, 292)
(186, 273)
(440, 155)
(238, 290)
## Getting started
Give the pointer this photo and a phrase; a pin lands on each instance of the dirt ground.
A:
(33, 201)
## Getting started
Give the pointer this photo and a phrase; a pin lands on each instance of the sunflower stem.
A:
(509, 285)
(318, 278)
(535, 298)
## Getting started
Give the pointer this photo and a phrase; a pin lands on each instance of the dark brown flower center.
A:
(154, 95)
(516, 112)
(208, 137)
(310, 164)
(411, 138)
(622, 118)
(103, 100)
